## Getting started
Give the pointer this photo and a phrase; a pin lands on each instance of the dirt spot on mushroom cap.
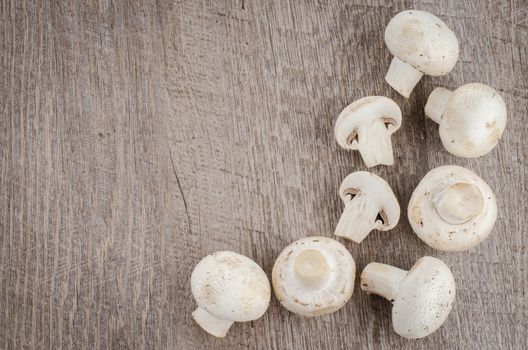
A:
(232, 262)
(415, 215)
(412, 27)
(299, 302)
(495, 133)
(209, 294)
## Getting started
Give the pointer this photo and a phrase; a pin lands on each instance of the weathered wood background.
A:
(138, 137)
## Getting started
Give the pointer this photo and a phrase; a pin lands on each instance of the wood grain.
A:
(139, 136)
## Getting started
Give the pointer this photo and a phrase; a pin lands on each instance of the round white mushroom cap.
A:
(366, 125)
(452, 209)
(473, 118)
(421, 44)
(423, 41)
(422, 297)
(370, 204)
(314, 276)
(228, 287)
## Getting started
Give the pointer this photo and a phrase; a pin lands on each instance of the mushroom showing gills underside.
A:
(471, 119)
(421, 44)
(228, 287)
(452, 209)
(366, 125)
(369, 204)
(421, 297)
(314, 276)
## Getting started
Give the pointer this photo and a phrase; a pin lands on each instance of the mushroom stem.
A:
(311, 267)
(402, 77)
(374, 144)
(436, 103)
(358, 219)
(459, 203)
(212, 325)
(381, 279)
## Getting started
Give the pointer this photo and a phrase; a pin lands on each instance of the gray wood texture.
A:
(139, 136)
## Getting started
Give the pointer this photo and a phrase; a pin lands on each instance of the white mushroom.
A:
(422, 297)
(369, 204)
(314, 276)
(452, 209)
(228, 287)
(471, 119)
(367, 125)
(421, 44)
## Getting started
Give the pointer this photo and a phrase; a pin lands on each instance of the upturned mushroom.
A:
(366, 125)
(452, 209)
(421, 43)
(369, 204)
(314, 276)
(471, 119)
(422, 297)
(228, 287)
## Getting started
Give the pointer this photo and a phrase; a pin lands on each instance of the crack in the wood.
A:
(181, 192)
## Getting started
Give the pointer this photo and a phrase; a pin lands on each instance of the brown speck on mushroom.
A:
(298, 302)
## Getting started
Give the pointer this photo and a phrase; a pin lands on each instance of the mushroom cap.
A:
(231, 287)
(369, 184)
(435, 231)
(473, 120)
(422, 40)
(303, 299)
(363, 112)
(424, 299)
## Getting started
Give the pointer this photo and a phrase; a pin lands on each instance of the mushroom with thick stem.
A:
(314, 276)
(422, 297)
(421, 43)
(452, 209)
(471, 119)
(367, 125)
(369, 204)
(228, 287)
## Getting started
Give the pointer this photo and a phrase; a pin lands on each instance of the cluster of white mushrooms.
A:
(451, 209)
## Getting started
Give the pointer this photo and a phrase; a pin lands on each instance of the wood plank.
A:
(139, 136)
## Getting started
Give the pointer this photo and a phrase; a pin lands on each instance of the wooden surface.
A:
(138, 137)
